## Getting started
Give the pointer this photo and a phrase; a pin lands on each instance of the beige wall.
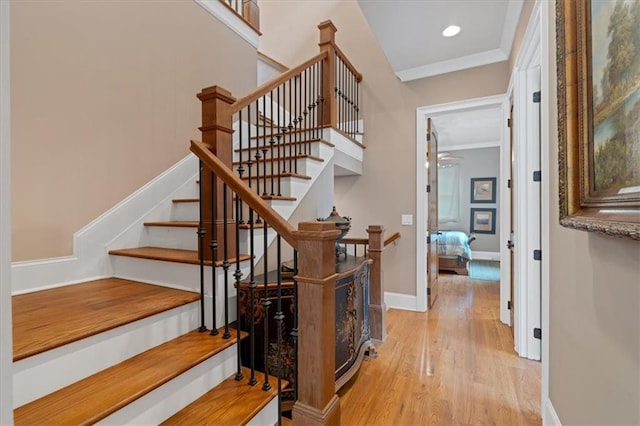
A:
(103, 100)
(389, 114)
(594, 348)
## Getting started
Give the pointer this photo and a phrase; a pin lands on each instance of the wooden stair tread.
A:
(96, 397)
(275, 197)
(48, 319)
(186, 200)
(293, 157)
(254, 147)
(281, 175)
(175, 224)
(169, 255)
(232, 402)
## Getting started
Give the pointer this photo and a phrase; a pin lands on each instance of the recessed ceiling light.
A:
(451, 30)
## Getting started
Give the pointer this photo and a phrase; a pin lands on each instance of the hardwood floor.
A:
(454, 365)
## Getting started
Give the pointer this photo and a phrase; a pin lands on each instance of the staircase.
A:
(136, 347)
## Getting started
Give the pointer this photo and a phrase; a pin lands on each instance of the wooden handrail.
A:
(361, 240)
(391, 238)
(247, 194)
(267, 87)
(348, 63)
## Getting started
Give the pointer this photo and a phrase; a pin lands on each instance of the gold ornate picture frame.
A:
(598, 69)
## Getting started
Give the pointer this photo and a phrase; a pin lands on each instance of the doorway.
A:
(460, 115)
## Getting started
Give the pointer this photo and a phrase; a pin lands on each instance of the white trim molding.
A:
(421, 180)
(113, 229)
(401, 301)
(231, 20)
(6, 339)
(457, 64)
(549, 415)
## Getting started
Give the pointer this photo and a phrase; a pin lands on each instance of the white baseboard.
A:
(485, 255)
(401, 301)
(91, 243)
(549, 415)
(231, 20)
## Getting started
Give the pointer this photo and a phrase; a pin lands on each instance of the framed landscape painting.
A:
(598, 53)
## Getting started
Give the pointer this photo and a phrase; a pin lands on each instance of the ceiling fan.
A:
(447, 156)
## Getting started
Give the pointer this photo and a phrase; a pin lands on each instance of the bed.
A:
(454, 251)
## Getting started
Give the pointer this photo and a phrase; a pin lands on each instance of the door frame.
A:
(530, 210)
(421, 197)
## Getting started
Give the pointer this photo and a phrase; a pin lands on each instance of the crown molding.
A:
(464, 62)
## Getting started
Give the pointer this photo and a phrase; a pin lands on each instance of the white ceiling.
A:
(468, 128)
(410, 33)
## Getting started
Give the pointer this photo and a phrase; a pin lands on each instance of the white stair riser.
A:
(170, 237)
(268, 416)
(301, 167)
(314, 149)
(182, 276)
(75, 361)
(185, 211)
(161, 403)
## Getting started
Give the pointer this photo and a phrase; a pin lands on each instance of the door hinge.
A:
(428, 291)
(536, 97)
(508, 122)
(428, 239)
(537, 176)
(537, 333)
(509, 304)
(537, 255)
(509, 183)
(428, 137)
(428, 188)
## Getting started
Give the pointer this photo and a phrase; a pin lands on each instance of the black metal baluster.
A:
(265, 307)
(252, 307)
(240, 169)
(279, 317)
(305, 113)
(249, 161)
(292, 165)
(238, 276)
(290, 123)
(264, 145)
(321, 98)
(280, 135)
(214, 250)
(358, 108)
(271, 143)
(201, 233)
(225, 261)
(294, 328)
(257, 155)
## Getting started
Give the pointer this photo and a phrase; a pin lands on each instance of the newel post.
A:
(330, 104)
(251, 13)
(377, 307)
(317, 402)
(217, 131)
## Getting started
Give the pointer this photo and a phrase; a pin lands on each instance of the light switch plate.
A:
(407, 219)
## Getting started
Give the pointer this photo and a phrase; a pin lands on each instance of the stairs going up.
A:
(133, 352)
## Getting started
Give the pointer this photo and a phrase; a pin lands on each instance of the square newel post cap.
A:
(216, 92)
(317, 231)
(327, 32)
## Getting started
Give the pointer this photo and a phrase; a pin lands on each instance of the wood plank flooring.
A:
(454, 365)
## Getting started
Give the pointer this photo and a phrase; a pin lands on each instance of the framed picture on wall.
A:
(483, 221)
(483, 190)
(598, 71)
